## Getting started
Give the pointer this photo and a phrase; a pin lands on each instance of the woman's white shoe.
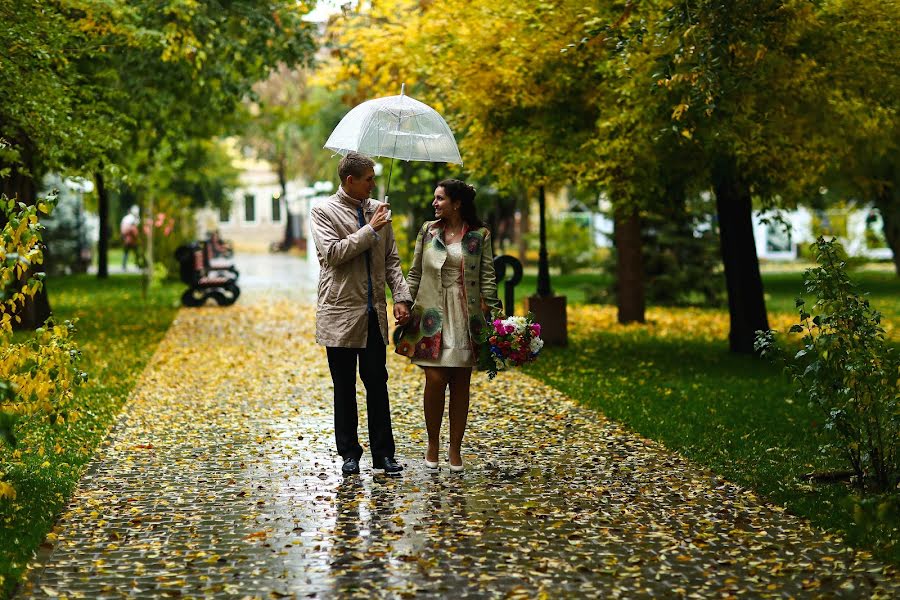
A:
(430, 464)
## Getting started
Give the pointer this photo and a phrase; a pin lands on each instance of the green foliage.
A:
(877, 517)
(847, 370)
(570, 242)
(202, 174)
(171, 226)
(856, 42)
(49, 48)
(286, 122)
(405, 245)
(682, 264)
(134, 88)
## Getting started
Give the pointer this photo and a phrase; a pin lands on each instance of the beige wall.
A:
(258, 180)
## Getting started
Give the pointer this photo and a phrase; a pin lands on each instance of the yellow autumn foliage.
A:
(673, 323)
(499, 74)
(37, 375)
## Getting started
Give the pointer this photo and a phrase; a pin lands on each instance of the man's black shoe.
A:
(387, 464)
(351, 466)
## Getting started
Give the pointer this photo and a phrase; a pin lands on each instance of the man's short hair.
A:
(354, 164)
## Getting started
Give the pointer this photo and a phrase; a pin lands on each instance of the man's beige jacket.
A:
(341, 246)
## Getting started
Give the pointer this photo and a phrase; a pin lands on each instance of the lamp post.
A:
(543, 280)
(549, 310)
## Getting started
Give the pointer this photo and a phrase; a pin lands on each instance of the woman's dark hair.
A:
(465, 194)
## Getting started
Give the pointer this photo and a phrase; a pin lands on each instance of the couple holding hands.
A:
(438, 308)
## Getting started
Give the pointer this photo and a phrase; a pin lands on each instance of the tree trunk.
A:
(288, 240)
(629, 266)
(21, 185)
(103, 217)
(889, 207)
(746, 302)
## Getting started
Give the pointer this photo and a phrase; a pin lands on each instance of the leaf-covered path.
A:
(220, 480)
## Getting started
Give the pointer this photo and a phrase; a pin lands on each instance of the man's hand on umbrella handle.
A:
(381, 217)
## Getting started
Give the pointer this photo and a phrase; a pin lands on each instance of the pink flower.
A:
(536, 328)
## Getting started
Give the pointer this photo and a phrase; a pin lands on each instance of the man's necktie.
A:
(362, 223)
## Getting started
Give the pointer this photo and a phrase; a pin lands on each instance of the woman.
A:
(452, 272)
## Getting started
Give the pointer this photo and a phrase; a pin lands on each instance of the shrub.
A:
(569, 244)
(38, 375)
(172, 225)
(846, 369)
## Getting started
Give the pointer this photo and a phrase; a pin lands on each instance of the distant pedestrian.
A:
(358, 256)
(128, 228)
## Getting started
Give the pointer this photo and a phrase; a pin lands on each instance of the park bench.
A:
(205, 282)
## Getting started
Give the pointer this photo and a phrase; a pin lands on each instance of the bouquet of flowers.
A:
(509, 342)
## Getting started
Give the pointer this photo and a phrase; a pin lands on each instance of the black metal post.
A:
(500, 264)
(543, 280)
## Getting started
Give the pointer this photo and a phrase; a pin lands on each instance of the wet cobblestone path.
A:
(220, 480)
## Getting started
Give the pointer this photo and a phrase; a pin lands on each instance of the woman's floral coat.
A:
(421, 337)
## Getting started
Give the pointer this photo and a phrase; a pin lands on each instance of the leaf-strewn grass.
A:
(780, 288)
(674, 381)
(117, 332)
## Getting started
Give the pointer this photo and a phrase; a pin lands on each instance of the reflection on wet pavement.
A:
(220, 480)
(282, 274)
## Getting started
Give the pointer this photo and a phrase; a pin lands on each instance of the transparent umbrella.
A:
(395, 127)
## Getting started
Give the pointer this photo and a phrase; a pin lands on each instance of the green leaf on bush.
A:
(848, 372)
(7, 422)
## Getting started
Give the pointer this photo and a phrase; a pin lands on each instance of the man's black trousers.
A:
(372, 370)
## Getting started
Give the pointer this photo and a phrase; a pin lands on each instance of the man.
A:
(358, 255)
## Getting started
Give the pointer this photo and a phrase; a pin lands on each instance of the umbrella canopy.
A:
(395, 127)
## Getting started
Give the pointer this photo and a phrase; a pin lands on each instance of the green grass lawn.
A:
(883, 288)
(574, 287)
(117, 331)
(731, 413)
